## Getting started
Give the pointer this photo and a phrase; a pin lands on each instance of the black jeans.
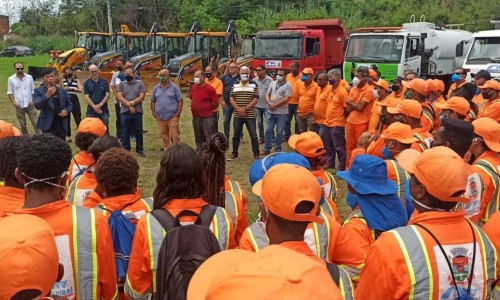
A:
(76, 112)
(203, 129)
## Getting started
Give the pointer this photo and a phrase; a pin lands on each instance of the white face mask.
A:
(197, 80)
(279, 78)
(244, 77)
(355, 81)
(375, 93)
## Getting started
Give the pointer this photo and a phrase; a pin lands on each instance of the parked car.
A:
(16, 51)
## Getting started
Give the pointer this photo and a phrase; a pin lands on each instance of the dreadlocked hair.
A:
(213, 155)
(43, 156)
(9, 147)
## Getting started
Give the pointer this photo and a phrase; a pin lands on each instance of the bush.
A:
(40, 44)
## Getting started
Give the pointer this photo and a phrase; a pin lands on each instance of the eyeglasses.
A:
(258, 70)
(94, 71)
(19, 69)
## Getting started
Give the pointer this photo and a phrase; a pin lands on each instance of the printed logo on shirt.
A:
(473, 192)
(66, 286)
(460, 258)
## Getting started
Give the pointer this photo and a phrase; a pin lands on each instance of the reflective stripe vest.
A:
(75, 195)
(494, 204)
(333, 187)
(232, 207)
(84, 253)
(156, 234)
(418, 263)
(359, 215)
(325, 206)
(235, 188)
(402, 177)
(423, 142)
(148, 201)
(345, 285)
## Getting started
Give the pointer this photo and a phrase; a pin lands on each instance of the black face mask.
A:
(119, 68)
(129, 77)
(486, 95)
(395, 88)
(208, 75)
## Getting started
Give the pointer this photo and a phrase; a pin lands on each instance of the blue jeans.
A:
(261, 115)
(104, 117)
(132, 122)
(238, 130)
(228, 114)
(292, 113)
(118, 122)
(329, 147)
(337, 134)
(278, 121)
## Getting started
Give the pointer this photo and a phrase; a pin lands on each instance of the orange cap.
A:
(28, 255)
(411, 108)
(430, 85)
(284, 186)
(457, 104)
(489, 130)
(92, 125)
(308, 144)
(8, 130)
(382, 83)
(372, 73)
(438, 85)
(442, 171)
(418, 85)
(491, 84)
(275, 272)
(399, 132)
(308, 71)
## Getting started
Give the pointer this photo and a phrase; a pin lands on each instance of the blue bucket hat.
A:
(259, 168)
(368, 175)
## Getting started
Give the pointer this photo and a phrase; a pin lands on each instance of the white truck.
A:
(421, 47)
(484, 53)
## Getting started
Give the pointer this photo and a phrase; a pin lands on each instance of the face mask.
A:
(279, 78)
(119, 68)
(455, 77)
(375, 94)
(408, 95)
(331, 81)
(244, 77)
(386, 153)
(395, 88)
(303, 78)
(45, 180)
(129, 77)
(208, 75)
(368, 80)
(477, 92)
(197, 80)
(162, 79)
(355, 81)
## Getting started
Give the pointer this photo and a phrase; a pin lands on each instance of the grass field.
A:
(237, 170)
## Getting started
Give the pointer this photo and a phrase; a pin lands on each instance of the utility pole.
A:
(110, 22)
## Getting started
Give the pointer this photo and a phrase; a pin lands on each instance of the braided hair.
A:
(213, 155)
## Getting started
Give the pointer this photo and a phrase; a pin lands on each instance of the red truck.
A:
(316, 44)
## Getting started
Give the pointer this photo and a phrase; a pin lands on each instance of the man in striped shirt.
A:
(244, 97)
(72, 86)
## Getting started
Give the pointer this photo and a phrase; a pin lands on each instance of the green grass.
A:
(237, 170)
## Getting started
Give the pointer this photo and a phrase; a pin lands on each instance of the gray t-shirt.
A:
(115, 81)
(131, 91)
(277, 92)
(263, 86)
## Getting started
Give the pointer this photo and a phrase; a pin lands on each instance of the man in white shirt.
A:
(20, 89)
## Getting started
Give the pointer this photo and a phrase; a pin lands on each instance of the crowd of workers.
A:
(421, 167)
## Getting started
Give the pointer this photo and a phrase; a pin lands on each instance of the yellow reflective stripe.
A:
(346, 286)
(254, 230)
(148, 202)
(327, 224)
(428, 115)
(317, 239)
(490, 269)
(94, 254)
(254, 242)
(71, 198)
(151, 252)
(494, 204)
(75, 253)
(215, 224)
(333, 186)
(227, 227)
(411, 272)
(131, 292)
(397, 175)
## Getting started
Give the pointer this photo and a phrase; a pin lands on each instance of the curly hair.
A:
(117, 172)
(181, 175)
(213, 156)
(43, 156)
(102, 144)
(9, 147)
(83, 140)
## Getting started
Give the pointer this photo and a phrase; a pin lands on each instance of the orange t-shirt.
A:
(83, 160)
(81, 187)
(377, 112)
(492, 230)
(490, 109)
(478, 99)
(428, 120)
(357, 95)
(490, 189)
(453, 87)
(335, 108)
(322, 98)
(59, 215)
(400, 94)
(130, 205)
(217, 84)
(11, 198)
(345, 84)
(295, 82)
(307, 98)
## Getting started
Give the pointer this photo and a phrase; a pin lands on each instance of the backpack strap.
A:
(334, 271)
(206, 215)
(166, 220)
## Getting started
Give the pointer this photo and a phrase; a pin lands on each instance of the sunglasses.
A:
(19, 69)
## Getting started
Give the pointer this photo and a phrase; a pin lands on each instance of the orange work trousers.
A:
(353, 132)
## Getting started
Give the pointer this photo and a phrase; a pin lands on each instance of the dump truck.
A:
(316, 44)
(484, 54)
(420, 47)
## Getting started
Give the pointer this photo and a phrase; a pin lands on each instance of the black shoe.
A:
(233, 157)
(145, 131)
(256, 156)
(141, 154)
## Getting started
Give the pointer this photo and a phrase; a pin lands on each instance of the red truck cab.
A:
(316, 44)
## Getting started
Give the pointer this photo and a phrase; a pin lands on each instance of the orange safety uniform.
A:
(406, 263)
(345, 283)
(424, 138)
(322, 98)
(478, 99)
(437, 111)
(327, 241)
(235, 187)
(133, 206)
(377, 112)
(356, 228)
(330, 185)
(149, 235)
(236, 207)
(307, 98)
(83, 240)
(345, 84)
(81, 187)
(11, 198)
(428, 119)
(357, 121)
(488, 167)
(81, 161)
(217, 84)
(335, 108)
(492, 230)
(295, 82)
(400, 94)
(453, 87)
(490, 109)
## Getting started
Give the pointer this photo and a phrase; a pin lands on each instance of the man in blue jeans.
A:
(277, 97)
(96, 93)
(131, 94)
(263, 81)
(229, 80)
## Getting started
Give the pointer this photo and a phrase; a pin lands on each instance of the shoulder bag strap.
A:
(334, 272)
(163, 217)
(206, 215)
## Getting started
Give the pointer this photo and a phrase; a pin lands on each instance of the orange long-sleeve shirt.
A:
(140, 274)
(322, 98)
(387, 263)
(490, 109)
(81, 187)
(130, 205)
(492, 230)
(307, 98)
(81, 161)
(428, 119)
(11, 198)
(490, 199)
(295, 81)
(59, 215)
(424, 139)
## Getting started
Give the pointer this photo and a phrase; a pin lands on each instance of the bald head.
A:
(94, 72)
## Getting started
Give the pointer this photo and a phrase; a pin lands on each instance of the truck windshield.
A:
(385, 48)
(82, 41)
(278, 48)
(484, 50)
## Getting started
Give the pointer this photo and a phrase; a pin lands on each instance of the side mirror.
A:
(459, 51)
(316, 48)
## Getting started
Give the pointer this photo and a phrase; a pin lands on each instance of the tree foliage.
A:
(63, 17)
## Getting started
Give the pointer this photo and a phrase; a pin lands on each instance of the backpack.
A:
(183, 250)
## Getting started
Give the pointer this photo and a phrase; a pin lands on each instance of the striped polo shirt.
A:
(73, 84)
(244, 95)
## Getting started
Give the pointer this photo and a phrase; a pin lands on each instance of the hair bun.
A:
(218, 143)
